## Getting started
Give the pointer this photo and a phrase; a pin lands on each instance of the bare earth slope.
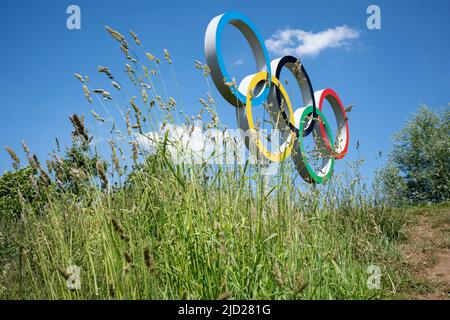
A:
(427, 252)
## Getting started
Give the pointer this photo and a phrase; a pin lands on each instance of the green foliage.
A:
(16, 195)
(418, 169)
(75, 170)
(169, 235)
(171, 231)
(16, 189)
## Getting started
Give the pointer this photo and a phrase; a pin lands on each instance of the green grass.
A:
(206, 239)
(198, 232)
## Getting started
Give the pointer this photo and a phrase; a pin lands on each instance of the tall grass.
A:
(169, 231)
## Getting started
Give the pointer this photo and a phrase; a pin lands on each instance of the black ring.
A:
(291, 62)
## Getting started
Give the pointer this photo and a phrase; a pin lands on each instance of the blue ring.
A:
(230, 17)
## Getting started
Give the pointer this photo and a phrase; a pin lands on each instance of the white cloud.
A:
(238, 62)
(302, 43)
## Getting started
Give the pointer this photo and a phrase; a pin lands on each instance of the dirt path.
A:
(427, 252)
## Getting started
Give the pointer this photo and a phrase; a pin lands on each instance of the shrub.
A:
(15, 187)
(418, 170)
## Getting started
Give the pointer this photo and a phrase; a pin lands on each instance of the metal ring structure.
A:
(298, 71)
(342, 136)
(246, 123)
(301, 159)
(265, 85)
(215, 61)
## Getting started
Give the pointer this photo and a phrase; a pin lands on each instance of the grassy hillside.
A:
(174, 232)
(139, 226)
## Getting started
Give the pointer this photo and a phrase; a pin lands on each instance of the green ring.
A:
(316, 178)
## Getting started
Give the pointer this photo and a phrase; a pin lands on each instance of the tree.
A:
(15, 189)
(75, 171)
(418, 168)
(16, 192)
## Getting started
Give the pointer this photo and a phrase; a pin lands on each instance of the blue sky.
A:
(387, 73)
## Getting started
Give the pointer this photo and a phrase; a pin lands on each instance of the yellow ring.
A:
(272, 156)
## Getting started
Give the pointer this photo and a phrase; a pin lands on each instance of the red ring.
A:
(329, 94)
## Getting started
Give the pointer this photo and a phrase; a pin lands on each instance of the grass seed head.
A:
(97, 117)
(25, 148)
(135, 151)
(198, 65)
(102, 174)
(224, 296)
(148, 258)
(79, 77)
(13, 155)
(128, 257)
(144, 95)
(87, 93)
(135, 37)
(106, 71)
(66, 275)
(116, 85)
(150, 56)
(119, 229)
(78, 125)
(134, 105)
(167, 56)
(300, 284)
(115, 34)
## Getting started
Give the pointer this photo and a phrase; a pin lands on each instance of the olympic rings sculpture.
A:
(265, 87)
